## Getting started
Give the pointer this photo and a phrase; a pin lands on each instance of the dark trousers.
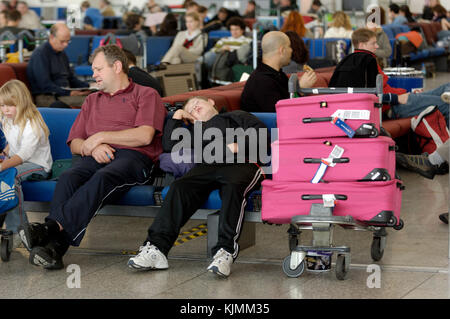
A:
(190, 192)
(86, 187)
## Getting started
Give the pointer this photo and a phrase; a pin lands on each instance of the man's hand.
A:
(307, 80)
(91, 143)
(103, 154)
(403, 98)
(79, 93)
(184, 116)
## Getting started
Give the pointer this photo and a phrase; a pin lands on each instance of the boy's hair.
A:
(193, 15)
(15, 92)
(394, 8)
(197, 97)
(112, 54)
(362, 36)
(13, 15)
(130, 56)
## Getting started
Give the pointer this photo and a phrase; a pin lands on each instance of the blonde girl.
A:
(341, 26)
(28, 147)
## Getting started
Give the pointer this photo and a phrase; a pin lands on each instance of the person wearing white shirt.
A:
(28, 148)
(341, 26)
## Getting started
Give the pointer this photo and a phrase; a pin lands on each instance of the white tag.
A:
(337, 152)
(350, 90)
(352, 114)
(315, 91)
(328, 200)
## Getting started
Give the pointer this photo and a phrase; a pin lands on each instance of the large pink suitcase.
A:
(363, 159)
(373, 203)
(311, 116)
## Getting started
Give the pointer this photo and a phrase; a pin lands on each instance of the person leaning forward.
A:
(118, 135)
(49, 72)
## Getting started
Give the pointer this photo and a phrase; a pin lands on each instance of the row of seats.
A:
(430, 31)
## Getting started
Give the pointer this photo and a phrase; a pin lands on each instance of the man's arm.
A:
(135, 137)
(75, 146)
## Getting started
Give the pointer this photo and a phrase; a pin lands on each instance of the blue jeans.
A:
(417, 102)
(24, 172)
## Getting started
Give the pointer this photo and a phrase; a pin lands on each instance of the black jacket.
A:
(141, 77)
(220, 122)
(263, 89)
(356, 70)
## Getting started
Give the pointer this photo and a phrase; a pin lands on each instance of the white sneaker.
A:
(445, 97)
(221, 264)
(149, 257)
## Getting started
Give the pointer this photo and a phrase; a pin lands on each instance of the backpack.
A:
(430, 129)
(8, 194)
(110, 38)
(221, 69)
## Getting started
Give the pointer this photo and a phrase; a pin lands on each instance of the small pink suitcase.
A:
(311, 116)
(363, 159)
(373, 203)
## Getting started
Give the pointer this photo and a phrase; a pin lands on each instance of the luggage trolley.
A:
(321, 220)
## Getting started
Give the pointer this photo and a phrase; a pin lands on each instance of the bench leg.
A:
(247, 238)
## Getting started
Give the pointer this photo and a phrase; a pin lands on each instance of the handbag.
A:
(8, 194)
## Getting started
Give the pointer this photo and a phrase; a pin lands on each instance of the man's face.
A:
(61, 40)
(370, 45)
(22, 8)
(200, 109)
(236, 31)
(104, 74)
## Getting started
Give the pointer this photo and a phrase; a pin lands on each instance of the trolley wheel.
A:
(293, 273)
(4, 249)
(374, 133)
(341, 269)
(400, 225)
(376, 251)
(293, 242)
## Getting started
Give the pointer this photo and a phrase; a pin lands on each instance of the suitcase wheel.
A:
(293, 273)
(400, 225)
(342, 267)
(4, 249)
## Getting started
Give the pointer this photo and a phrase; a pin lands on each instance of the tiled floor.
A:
(415, 262)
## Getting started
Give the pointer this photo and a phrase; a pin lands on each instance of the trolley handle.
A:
(319, 160)
(312, 197)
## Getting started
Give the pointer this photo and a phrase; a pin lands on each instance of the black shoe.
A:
(417, 163)
(46, 257)
(34, 234)
(442, 169)
(444, 218)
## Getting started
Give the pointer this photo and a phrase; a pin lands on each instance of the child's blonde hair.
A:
(15, 93)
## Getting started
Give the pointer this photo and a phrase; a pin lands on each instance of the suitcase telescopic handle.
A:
(319, 160)
(317, 119)
(311, 197)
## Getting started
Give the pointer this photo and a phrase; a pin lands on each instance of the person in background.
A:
(188, 45)
(2, 18)
(318, 9)
(427, 12)
(404, 11)
(294, 22)
(4, 6)
(384, 49)
(168, 27)
(106, 9)
(439, 13)
(13, 18)
(300, 54)
(12, 4)
(340, 27)
(219, 21)
(250, 10)
(133, 23)
(202, 11)
(395, 16)
(139, 76)
(286, 6)
(28, 147)
(268, 83)
(30, 19)
(236, 42)
(49, 72)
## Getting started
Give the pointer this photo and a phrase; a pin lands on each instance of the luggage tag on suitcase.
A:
(343, 126)
(337, 152)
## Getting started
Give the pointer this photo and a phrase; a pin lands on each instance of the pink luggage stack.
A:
(330, 166)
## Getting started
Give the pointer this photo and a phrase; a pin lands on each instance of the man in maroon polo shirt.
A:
(118, 135)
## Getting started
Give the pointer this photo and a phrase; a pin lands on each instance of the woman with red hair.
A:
(294, 22)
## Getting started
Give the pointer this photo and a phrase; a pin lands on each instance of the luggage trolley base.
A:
(321, 221)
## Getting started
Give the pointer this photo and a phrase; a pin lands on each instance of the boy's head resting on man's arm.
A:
(196, 108)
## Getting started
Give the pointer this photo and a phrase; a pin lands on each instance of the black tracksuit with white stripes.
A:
(187, 194)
